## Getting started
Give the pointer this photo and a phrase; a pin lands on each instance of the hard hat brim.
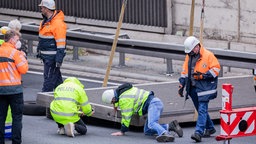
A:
(188, 51)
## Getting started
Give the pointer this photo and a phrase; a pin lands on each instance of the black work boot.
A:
(209, 132)
(174, 126)
(165, 138)
(196, 137)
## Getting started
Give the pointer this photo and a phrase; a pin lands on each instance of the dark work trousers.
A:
(204, 121)
(194, 96)
(16, 103)
(52, 76)
(80, 127)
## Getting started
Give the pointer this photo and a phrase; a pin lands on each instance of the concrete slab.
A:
(243, 96)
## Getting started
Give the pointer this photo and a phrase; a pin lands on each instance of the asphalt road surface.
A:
(41, 130)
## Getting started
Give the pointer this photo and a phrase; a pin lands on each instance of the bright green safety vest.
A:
(69, 101)
(1, 41)
(131, 102)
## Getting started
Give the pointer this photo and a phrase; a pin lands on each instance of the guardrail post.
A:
(221, 71)
(229, 43)
(169, 66)
(75, 53)
(30, 47)
(121, 59)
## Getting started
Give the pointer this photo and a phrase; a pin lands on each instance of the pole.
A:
(192, 11)
(238, 22)
(191, 26)
(202, 22)
(113, 49)
(201, 41)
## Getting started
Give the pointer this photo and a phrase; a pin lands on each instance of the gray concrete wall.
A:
(224, 19)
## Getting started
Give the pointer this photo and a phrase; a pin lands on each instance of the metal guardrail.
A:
(167, 51)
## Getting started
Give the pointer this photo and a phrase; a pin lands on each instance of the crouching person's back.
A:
(69, 104)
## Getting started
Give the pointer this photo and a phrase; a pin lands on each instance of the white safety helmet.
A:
(107, 96)
(190, 43)
(50, 4)
(15, 25)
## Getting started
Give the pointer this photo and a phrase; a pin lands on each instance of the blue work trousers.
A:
(204, 121)
(16, 103)
(52, 76)
(152, 125)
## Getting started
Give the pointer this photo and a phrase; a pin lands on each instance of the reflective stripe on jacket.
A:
(131, 102)
(52, 37)
(69, 100)
(12, 64)
(208, 65)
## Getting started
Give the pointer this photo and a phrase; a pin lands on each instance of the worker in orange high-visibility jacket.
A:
(12, 65)
(52, 44)
(200, 77)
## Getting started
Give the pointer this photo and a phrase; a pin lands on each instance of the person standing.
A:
(12, 65)
(69, 104)
(200, 77)
(14, 25)
(52, 44)
(132, 100)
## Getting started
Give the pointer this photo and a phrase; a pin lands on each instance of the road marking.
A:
(82, 79)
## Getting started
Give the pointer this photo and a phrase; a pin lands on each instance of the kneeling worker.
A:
(133, 100)
(69, 104)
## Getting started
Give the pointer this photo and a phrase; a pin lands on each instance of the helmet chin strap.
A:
(191, 53)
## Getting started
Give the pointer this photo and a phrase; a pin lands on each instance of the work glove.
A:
(198, 76)
(180, 91)
(58, 64)
(81, 114)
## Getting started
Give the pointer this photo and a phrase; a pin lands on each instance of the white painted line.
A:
(82, 79)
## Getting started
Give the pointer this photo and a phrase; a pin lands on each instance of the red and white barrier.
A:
(235, 122)
(227, 90)
(239, 122)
